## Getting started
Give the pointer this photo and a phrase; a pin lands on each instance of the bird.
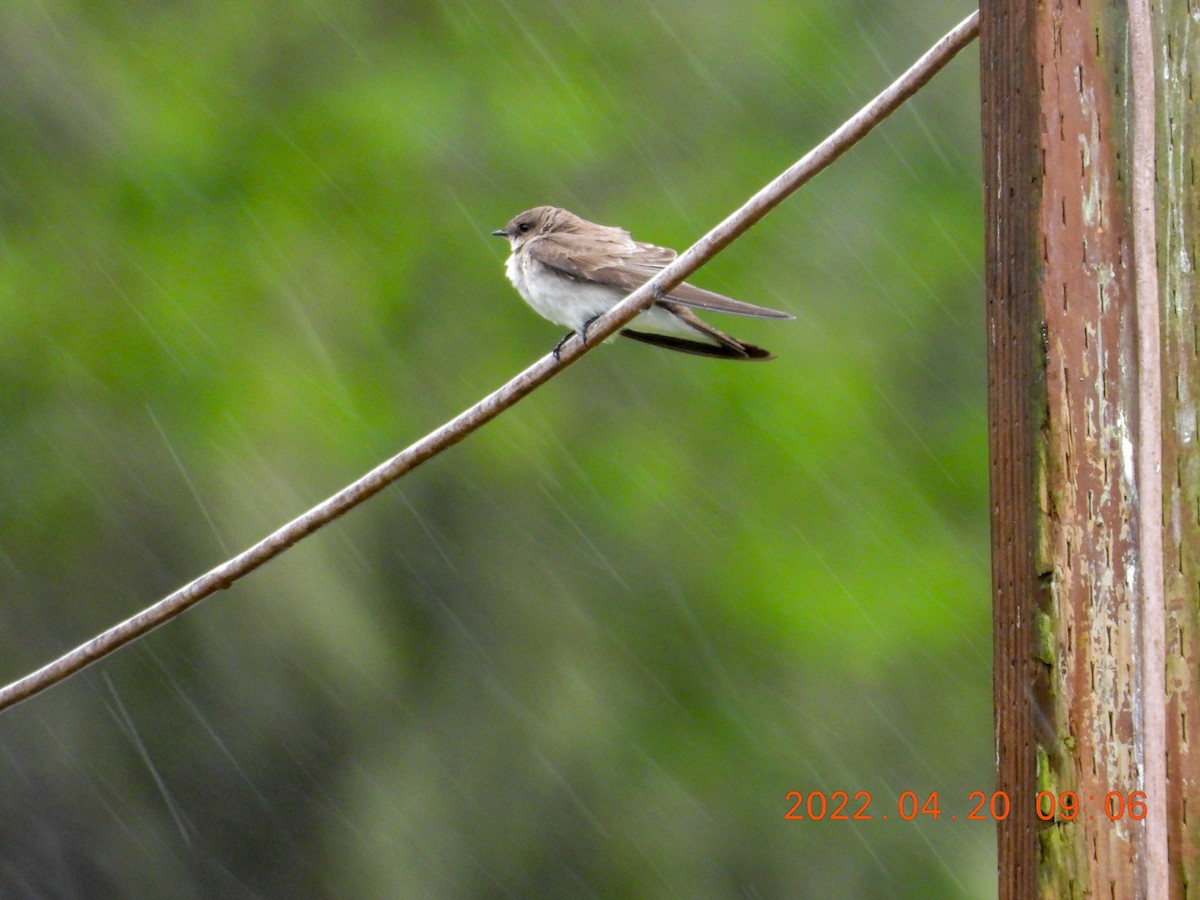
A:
(571, 271)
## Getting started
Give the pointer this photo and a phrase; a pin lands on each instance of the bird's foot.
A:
(558, 347)
(586, 325)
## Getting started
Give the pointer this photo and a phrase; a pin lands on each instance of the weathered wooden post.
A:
(1091, 264)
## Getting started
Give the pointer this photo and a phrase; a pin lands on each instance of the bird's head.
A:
(538, 221)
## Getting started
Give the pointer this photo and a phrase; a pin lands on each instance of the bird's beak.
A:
(500, 233)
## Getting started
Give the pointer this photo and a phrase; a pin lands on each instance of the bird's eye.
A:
(523, 227)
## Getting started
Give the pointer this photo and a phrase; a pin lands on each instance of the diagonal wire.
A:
(224, 575)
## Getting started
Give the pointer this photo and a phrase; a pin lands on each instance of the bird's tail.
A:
(731, 349)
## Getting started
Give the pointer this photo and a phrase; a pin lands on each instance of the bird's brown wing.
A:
(627, 265)
(724, 346)
(582, 257)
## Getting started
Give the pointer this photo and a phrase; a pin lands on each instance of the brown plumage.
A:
(571, 270)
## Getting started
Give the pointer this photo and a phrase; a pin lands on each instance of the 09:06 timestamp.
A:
(840, 806)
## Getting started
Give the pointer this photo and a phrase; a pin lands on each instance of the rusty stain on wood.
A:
(1087, 301)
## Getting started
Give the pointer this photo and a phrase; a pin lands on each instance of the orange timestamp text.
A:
(842, 806)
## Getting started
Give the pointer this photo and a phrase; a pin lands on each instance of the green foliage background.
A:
(244, 256)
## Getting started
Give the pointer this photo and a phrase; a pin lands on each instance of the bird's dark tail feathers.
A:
(735, 349)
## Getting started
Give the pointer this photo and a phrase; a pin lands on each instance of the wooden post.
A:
(1177, 64)
(1076, 518)
(1016, 398)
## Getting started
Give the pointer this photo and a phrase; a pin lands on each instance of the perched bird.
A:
(571, 271)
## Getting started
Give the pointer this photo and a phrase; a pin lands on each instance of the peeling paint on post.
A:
(1087, 294)
(1063, 424)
